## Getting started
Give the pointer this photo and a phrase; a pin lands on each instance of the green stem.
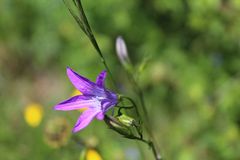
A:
(151, 145)
(88, 31)
(154, 150)
(147, 124)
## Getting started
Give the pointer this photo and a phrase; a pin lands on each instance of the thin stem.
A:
(155, 152)
(88, 31)
(151, 145)
(148, 124)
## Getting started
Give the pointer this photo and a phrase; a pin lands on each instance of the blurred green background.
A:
(191, 83)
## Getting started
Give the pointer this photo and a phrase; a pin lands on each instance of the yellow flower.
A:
(33, 114)
(93, 155)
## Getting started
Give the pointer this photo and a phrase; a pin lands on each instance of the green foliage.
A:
(191, 80)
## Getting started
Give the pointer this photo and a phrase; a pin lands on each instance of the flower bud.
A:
(121, 50)
(117, 126)
(125, 120)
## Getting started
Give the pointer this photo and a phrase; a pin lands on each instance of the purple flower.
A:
(96, 98)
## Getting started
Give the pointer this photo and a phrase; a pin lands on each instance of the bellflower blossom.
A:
(95, 97)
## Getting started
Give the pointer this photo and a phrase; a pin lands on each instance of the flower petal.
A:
(100, 116)
(101, 79)
(83, 84)
(85, 118)
(106, 104)
(77, 102)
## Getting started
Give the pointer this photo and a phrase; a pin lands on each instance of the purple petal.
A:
(101, 79)
(83, 84)
(76, 102)
(85, 118)
(106, 104)
(100, 116)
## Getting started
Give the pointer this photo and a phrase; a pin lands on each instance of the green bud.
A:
(126, 120)
(117, 126)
